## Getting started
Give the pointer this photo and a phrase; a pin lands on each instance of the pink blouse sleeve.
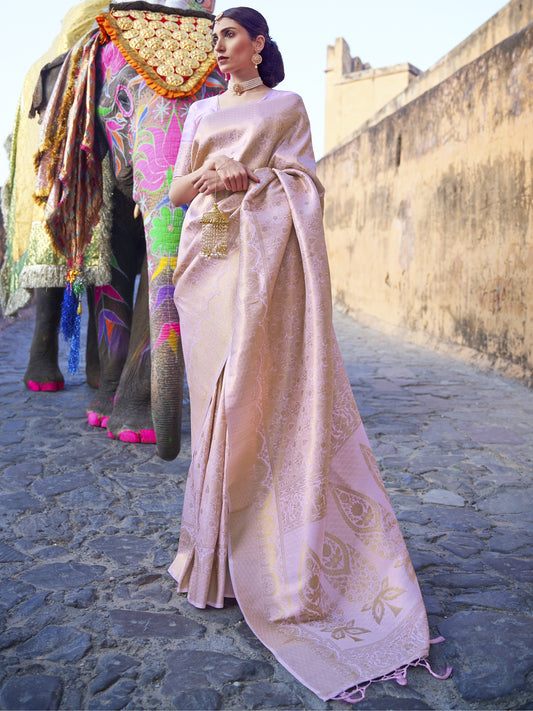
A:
(183, 161)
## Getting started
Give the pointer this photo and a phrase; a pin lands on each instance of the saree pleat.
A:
(203, 556)
(282, 476)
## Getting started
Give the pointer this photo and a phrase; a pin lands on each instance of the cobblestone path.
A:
(89, 615)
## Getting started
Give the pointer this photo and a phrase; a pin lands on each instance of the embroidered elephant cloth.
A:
(30, 261)
(69, 175)
(285, 508)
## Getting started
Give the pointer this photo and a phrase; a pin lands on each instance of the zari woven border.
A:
(172, 52)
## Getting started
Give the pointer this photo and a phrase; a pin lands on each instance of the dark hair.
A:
(271, 69)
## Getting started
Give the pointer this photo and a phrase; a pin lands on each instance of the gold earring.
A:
(256, 59)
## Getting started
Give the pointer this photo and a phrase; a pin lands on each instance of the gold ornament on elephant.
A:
(147, 53)
(125, 23)
(163, 55)
(172, 52)
(154, 43)
(164, 33)
(172, 45)
(175, 80)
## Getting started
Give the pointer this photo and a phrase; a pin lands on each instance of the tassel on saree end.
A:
(357, 693)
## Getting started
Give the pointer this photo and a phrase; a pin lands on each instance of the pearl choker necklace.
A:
(245, 85)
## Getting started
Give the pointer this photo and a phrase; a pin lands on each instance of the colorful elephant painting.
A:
(141, 129)
(122, 404)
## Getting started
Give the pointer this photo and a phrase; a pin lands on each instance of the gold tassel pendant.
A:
(214, 233)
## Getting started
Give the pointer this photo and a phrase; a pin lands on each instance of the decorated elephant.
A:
(31, 264)
(138, 76)
(22, 216)
(118, 347)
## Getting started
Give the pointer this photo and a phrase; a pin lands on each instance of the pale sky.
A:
(380, 32)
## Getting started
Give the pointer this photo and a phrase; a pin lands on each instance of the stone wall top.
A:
(512, 18)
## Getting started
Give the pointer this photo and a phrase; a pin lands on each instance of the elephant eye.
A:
(123, 99)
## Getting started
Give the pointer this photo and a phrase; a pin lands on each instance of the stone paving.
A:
(89, 615)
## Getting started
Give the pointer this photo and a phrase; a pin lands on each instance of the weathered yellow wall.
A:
(354, 93)
(429, 213)
(512, 18)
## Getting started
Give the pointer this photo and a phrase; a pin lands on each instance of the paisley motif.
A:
(374, 525)
(313, 597)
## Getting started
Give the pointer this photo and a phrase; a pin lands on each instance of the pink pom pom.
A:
(93, 419)
(45, 387)
(129, 436)
(52, 387)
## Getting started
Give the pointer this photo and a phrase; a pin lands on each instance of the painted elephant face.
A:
(115, 108)
(143, 133)
(142, 128)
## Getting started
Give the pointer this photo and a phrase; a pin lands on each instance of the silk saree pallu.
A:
(284, 508)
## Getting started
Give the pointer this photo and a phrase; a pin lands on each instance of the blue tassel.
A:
(74, 355)
(68, 312)
(70, 326)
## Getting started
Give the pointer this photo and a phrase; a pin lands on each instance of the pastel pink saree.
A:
(284, 508)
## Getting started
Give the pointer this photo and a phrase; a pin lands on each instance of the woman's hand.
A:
(221, 173)
(234, 175)
(208, 182)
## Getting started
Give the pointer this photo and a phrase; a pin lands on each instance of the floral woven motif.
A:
(172, 52)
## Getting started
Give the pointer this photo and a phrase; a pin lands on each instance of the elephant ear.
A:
(173, 52)
(45, 84)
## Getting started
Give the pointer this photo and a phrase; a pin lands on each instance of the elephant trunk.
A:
(167, 397)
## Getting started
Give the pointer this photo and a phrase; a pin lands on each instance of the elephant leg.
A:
(92, 359)
(43, 371)
(113, 307)
(131, 420)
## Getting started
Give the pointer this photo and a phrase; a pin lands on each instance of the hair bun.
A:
(271, 69)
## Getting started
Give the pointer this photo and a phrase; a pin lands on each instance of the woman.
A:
(284, 507)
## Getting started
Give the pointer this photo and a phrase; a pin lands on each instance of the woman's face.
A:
(234, 48)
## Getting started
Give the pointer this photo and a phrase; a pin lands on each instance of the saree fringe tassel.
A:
(358, 693)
